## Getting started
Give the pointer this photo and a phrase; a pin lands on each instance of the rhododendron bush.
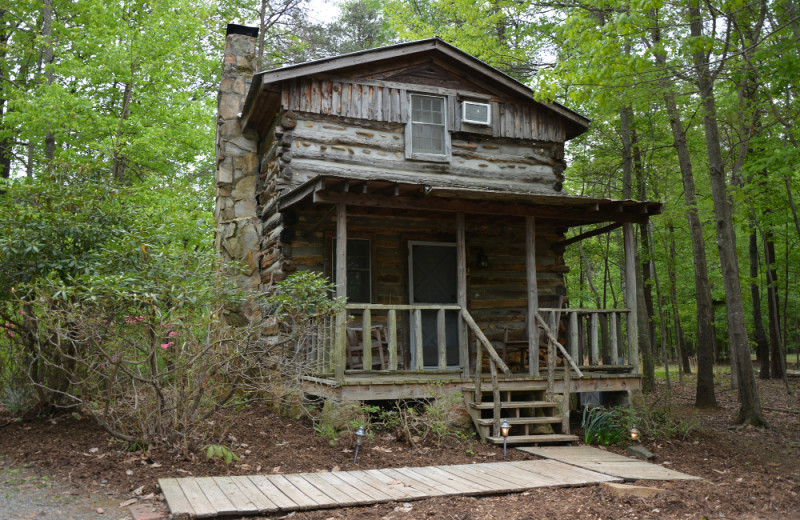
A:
(113, 307)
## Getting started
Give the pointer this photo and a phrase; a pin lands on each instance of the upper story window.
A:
(427, 136)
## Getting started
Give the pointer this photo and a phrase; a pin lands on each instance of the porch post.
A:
(533, 296)
(341, 290)
(630, 295)
(461, 268)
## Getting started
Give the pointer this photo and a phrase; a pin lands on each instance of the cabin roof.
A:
(566, 210)
(266, 81)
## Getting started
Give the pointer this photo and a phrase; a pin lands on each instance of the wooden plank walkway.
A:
(608, 463)
(258, 494)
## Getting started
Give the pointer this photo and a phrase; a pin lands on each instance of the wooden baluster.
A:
(418, 362)
(551, 369)
(593, 337)
(441, 339)
(366, 336)
(612, 322)
(565, 400)
(573, 335)
(623, 345)
(392, 319)
(478, 371)
(496, 396)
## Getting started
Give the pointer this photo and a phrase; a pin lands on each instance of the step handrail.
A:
(553, 339)
(470, 321)
(552, 345)
(495, 361)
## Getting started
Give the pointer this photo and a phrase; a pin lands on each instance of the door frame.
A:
(411, 339)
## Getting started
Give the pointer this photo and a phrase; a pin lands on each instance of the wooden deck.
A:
(602, 461)
(207, 497)
(366, 386)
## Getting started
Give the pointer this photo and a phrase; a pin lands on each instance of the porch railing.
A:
(590, 339)
(594, 337)
(329, 351)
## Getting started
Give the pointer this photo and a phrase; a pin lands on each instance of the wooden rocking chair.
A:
(355, 348)
(520, 346)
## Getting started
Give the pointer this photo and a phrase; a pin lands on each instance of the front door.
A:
(433, 278)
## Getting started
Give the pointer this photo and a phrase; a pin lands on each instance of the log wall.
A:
(356, 128)
(496, 295)
(388, 101)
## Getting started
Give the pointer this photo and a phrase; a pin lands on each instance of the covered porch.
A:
(468, 297)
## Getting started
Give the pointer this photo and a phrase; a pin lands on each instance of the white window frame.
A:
(410, 154)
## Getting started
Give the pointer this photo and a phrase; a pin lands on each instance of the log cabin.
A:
(427, 186)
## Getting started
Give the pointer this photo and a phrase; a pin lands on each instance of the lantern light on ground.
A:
(504, 429)
(359, 436)
(634, 434)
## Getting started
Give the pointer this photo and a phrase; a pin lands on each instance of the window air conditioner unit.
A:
(476, 113)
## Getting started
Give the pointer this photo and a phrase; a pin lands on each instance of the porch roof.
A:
(566, 210)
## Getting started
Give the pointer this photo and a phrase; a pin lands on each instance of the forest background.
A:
(106, 155)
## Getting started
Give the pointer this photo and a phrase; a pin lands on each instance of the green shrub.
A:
(601, 426)
(656, 423)
(111, 305)
(218, 451)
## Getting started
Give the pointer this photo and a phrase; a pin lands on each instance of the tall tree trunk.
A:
(49, 58)
(662, 325)
(762, 344)
(775, 336)
(705, 397)
(120, 164)
(749, 401)
(643, 321)
(638, 168)
(680, 343)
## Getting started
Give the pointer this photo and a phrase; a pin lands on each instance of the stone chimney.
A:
(238, 227)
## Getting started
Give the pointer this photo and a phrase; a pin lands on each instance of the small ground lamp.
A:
(359, 436)
(634, 434)
(504, 429)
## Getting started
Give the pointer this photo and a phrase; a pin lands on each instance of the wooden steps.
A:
(514, 404)
(534, 439)
(533, 418)
(513, 421)
(521, 386)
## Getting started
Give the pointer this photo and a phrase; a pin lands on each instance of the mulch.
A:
(749, 472)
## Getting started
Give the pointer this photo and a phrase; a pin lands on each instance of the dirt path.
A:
(750, 473)
(26, 494)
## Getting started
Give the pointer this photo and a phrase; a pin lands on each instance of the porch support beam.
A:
(599, 231)
(533, 296)
(575, 214)
(630, 295)
(461, 273)
(341, 291)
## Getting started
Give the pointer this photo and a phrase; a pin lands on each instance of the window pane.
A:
(358, 286)
(357, 254)
(358, 270)
(426, 109)
(427, 139)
